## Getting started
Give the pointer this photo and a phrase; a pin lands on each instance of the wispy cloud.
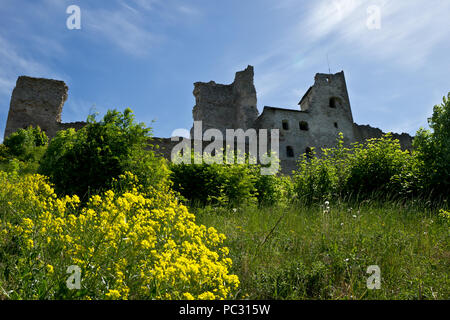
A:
(124, 29)
(408, 33)
(131, 25)
(13, 63)
(412, 35)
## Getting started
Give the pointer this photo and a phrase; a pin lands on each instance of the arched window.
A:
(303, 125)
(336, 125)
(289, 152)
(285, 124)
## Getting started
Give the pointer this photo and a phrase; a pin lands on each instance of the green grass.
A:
(299, 252)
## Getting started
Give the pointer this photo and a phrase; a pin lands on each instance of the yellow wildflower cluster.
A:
(128, 245)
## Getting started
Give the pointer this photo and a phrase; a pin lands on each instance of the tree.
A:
(85, 161)
(433, 150)
(22, 144)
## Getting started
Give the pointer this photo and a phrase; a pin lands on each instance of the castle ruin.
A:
(323, 112)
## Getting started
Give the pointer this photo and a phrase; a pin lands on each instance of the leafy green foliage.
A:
(4, 153)
(203, 182)
(206, 182)
(433, 151)
(22, 144)
(375, 166)
(301, 252)
(22, 150)
(81, 162)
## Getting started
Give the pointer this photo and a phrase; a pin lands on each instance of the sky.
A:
(146, 54)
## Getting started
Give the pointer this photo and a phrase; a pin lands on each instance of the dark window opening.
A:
(285, 125)
(304, 126)
(335, 125)
(289, 152)
(334, 102)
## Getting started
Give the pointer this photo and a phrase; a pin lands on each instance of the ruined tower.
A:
(328, 103)
(38, 102)
(224, 107)
(324, 112)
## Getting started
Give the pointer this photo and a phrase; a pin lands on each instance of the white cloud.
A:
(410, 31)
(13, 64)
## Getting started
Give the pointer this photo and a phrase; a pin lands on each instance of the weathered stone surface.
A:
(38, 102)
(224, 107)
(364, 132)
(324, 112)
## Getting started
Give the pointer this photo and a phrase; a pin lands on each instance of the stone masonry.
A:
(38, 102)
(324, 112)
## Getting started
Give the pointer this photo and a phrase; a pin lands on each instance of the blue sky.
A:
(147, 54)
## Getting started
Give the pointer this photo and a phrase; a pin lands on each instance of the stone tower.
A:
(36, 102)
(224, 107)
(327, 101)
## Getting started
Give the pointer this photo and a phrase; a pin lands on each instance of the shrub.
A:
(212, 183)
(205, 182)
(376, 166)
(127, 245)
(270, 189)
(433, 151)
(81, 162)
(4, 153)
(25, 144)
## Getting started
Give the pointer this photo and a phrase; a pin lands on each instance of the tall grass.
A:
(305, 252)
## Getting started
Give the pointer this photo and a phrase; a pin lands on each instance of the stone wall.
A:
(364, 132)
(223, 107)
(38, 102)
(324, 112)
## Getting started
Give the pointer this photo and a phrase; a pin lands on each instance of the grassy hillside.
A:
(300, 252)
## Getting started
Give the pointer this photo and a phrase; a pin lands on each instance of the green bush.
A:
(270, 189)
(4, 153)
(26, 144)
(433, 151)
(205, 182)
(377, 166)
(85, 161)
(212, 183)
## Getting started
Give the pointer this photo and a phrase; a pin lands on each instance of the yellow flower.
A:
(50, 268)
(113, 294)
(29, 244)
(188, 296)
(153, 237)
(207, 296)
